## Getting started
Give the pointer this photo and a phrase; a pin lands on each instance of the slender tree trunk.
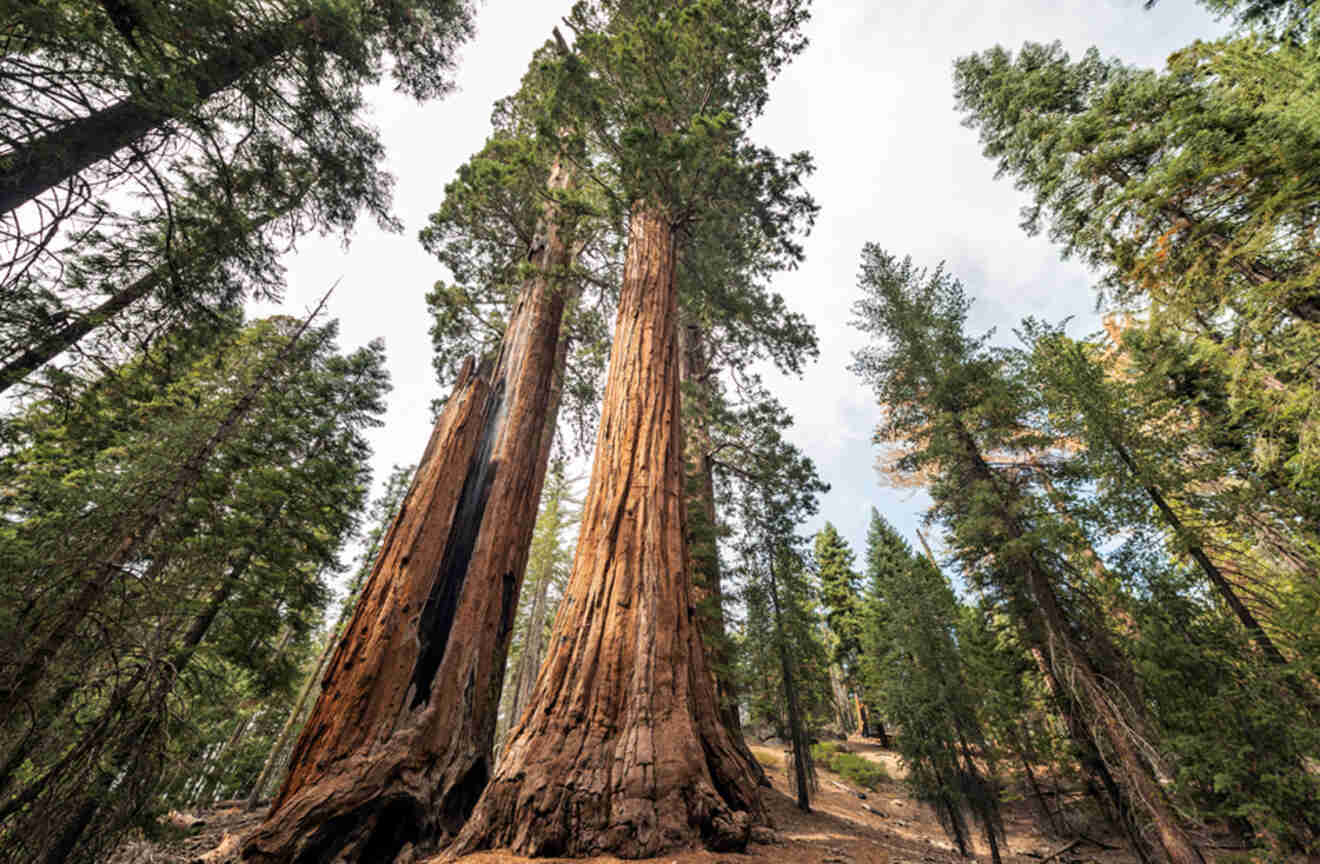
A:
(529, 662)
(37, 165)
(621, 750)
(802, 768)
(1064, 650)
(286, 731)
(100, 576)
(695, 375)
(1021, 747)
(1249, 622)
(83, 813)
(66, 337)
(398, 747)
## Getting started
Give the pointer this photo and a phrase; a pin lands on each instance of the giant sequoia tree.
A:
(621, 748)
(399, 743)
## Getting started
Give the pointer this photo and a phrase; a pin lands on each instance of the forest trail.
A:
(843, 828)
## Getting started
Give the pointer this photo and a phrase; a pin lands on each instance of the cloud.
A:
(872, 100)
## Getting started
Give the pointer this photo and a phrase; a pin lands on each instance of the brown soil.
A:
(839, 830)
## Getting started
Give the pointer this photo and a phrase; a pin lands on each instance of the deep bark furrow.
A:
(398, 746)
(621, 750)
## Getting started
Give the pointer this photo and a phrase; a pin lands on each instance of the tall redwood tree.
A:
(398, 746)
(622, 749)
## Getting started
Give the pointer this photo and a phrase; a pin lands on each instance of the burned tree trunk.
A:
(397, 748)
(529, 662)
(622, 750)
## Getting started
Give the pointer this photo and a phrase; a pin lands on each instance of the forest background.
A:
(871, 99)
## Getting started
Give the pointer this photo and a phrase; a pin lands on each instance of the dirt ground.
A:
(847, 825)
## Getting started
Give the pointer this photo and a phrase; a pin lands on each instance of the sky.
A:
(871, 99)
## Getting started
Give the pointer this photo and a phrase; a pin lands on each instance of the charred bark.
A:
(622, 750)
(398, 747)
(529, 662)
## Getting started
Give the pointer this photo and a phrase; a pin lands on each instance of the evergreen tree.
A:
(950, 399)
(668, 89)
(840, 591)
(158, 159)
(778, 589)
(920, 681)
(547, 571)
(1190, 192)
(226, 586)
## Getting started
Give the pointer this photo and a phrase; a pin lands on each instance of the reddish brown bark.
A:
(621, 750)
(398, 747)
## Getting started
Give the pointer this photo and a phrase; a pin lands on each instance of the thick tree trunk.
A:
(1088, 751)
(842, 714)
(398, 746)
(529, 662)
(35, 166)
(622, 750)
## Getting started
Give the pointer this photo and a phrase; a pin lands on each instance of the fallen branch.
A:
(1071, 846)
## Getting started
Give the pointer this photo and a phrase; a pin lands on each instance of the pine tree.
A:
(920, 679)
(237, 561)
(950, 400)
(547, 570)
(840, 591)
(1189, 190)
(162, 159)
(783, 631)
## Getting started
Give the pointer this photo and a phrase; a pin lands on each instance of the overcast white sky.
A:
(871, 98)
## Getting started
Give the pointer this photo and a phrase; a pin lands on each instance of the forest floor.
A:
(847, 825)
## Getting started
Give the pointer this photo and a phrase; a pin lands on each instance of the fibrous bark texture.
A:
(621, 750)
(398, 747)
